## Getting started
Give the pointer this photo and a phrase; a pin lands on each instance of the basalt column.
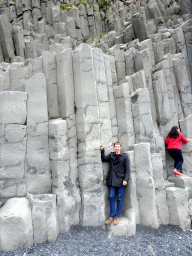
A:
(66, 99)
(88, 138)
(142, 119)
(124, 116)
(112, 108)
(104, 112)
(37, 163)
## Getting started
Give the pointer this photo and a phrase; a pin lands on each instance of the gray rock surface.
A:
(44, 217)
(177, 200)
(145, 186)
(124, 120)
(58, 103)
(16, 224)
(37, 163)
(6, 38)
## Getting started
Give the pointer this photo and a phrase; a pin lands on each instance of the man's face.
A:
(117, 149)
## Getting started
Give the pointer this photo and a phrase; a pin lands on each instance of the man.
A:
(117, 179)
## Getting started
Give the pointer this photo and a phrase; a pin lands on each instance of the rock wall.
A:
(56, 110)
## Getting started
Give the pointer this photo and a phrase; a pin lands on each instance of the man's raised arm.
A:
(103, 157)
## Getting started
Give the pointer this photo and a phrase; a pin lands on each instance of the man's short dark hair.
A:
(117, 143)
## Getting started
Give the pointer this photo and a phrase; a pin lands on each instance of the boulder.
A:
(16, 230)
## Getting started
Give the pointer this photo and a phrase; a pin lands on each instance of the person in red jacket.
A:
(174, 146)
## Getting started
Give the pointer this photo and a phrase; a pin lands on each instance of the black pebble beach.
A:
(80, 241)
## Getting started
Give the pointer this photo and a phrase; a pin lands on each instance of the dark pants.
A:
(177, 156)
(112, 193)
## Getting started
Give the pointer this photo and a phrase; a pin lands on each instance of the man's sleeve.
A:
(103, 157)
(127, 168)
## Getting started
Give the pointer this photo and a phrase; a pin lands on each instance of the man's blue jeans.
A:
(112, 193)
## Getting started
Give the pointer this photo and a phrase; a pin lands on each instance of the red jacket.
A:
(175, 143)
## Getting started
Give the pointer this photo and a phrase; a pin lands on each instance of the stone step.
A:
(126, 225)
(169, 184)
(183, 181)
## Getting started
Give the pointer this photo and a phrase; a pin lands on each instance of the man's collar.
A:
(119, 154)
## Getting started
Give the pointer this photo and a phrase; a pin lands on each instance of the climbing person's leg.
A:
(178, 158)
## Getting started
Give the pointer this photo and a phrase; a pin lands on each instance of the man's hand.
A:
(124, 183)
(101, 146)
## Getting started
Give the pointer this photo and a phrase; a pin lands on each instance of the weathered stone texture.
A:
(186, 126)
(142, 118)
(102, 96)
(162, 103)
(18, 77)
(177, 201)
(129, 61)
(49, 68)
(44, 217)
(124, 119)
(18, 41)
(88, 131)
(37, 165)
(183, 83)
(111, 98)
(130, 200)
(124, 228)
(13, 107)
(139, 26)
(6, 38)
(16, 230)
(145, 185)
(120, 64)
(68, 195)
(162, 209)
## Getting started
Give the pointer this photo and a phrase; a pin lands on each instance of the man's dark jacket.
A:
(119, 169)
